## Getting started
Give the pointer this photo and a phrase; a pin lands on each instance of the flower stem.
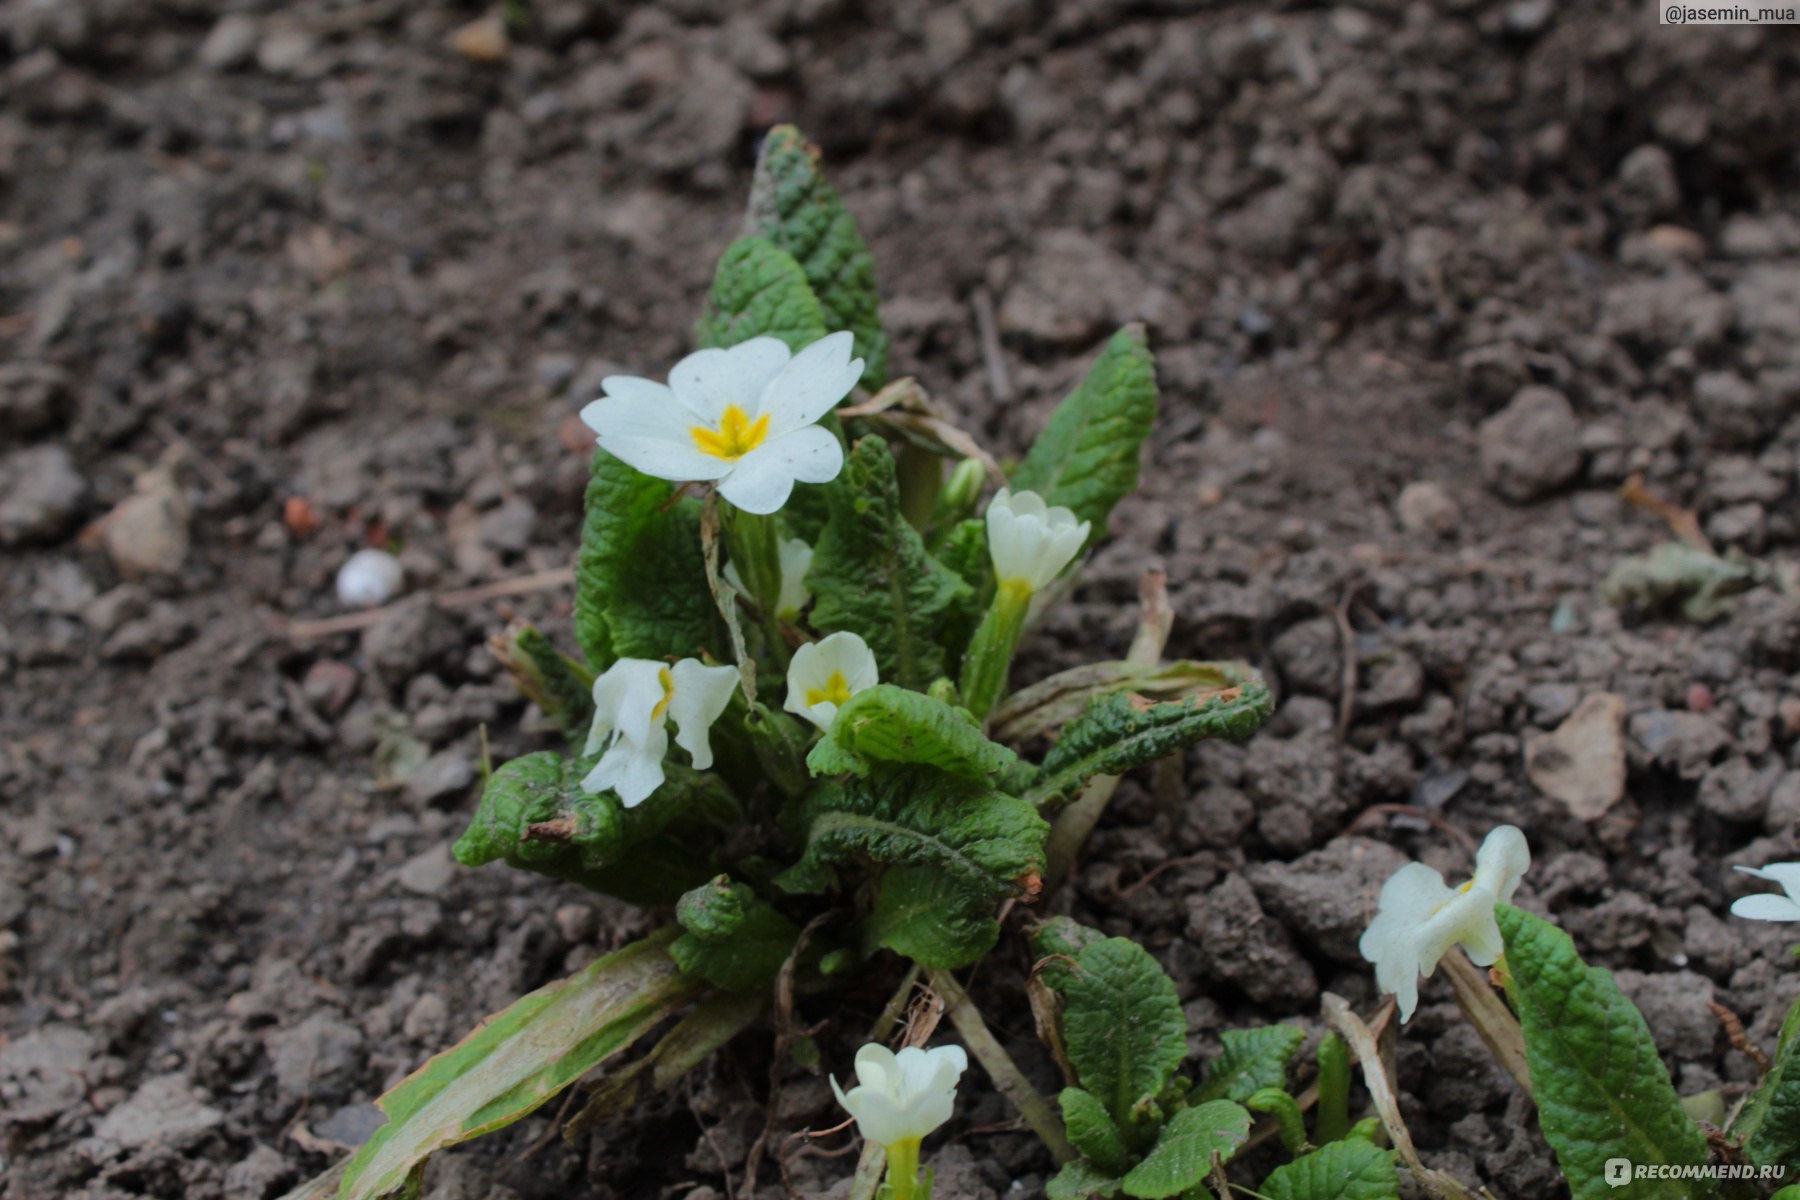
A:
(999, 1065)
(903, 1168)
(754, 543)
(991, 650)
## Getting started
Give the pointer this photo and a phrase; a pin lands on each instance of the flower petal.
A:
(673, 461)
(701, 694)
(1766, 906)
(631, 769)
(707, 382)
(812, 384)
(876, 1067)
(1784, 875)
(1501, 862)
(763, 479)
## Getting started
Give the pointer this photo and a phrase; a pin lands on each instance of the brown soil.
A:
(311, 251)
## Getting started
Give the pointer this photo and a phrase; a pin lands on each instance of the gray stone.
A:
(322, 1053)
(164, 1111)
(1532, 446)
(41, 495)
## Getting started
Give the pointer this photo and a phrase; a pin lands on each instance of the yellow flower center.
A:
(736, 436)
(668, 685)
(835, 691)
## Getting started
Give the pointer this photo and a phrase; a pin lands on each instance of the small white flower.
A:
(1419, 917)
(633, 703)
(745, 416)
(1767, 906)
(899, 1098)
(825, 673)
(1030, 542)
(368, 578)
(796, 561)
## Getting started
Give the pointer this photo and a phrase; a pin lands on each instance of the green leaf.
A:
(793, 206)
(1118, 732)
(982, 841)
(690, 1041)
(1081, 1180)
(556, 683)
(1770, 1122)
(1123, 1028)
(641, 577)
(1252, 1059)
(1602, 1091)
(931, 918)
(1049, 704)
(733, 940)
(1063, 935)
(534, 816)
(1352, 1170)
(888, 724)
(1182, 1156)
(760, 291)
(1092, 1132)
(1087, 456)
(518, 1059)
(871, 575)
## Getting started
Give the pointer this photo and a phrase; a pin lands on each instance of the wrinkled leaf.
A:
(888, 724)
(1770, 1122)
(1087, 456)
(1081, 1180)
(1348, 1170)
(1251, 1059)
(1602, 1092)
(1093, 1133)
(1118, 732)
(1122, 1025)
(1183, 1153)
(872, 576)
(793, 206)
(760, 291)
(931, 918)
(640, 579)
(1703, 587)
(1049, 704)
(733, 940)
(518, 1059)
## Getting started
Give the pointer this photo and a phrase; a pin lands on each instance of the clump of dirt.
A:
(1427, 285)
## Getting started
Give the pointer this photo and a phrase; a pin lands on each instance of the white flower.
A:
(368, 578)
(899, 1098)
(796, 560)
(1031, 543)
(1767, 906)
(1419, 917)
(633, 703)
(826, 673)
(746, 417)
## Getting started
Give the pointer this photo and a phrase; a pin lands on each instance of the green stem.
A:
(991, 650)
(999, 1064)
(903, 1168)
(1333, 1118)
(754, 543)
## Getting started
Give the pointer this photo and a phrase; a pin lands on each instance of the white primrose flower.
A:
(1029, 541)
(1767, 906)
(899, 1098)
(633, 703)
(1419, 916)
(746, 417)
(796, 560)
(826, 673)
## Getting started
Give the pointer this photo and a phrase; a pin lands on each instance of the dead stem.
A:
(999, 1065)
(1484, 1009)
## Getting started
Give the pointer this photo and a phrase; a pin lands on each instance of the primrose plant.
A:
(787, 705)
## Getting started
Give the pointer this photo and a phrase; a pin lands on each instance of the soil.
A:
(1427, 283)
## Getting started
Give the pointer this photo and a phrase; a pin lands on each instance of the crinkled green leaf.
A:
(733, 940)
(534, 816)
(1183, 1153)
(760, 291)
(1770, 1121)
(556, 683)
(1092, 1132)
(793, 206)
(518, 1059)
(640, 580)
(888, 724)
(1700, 585)
(1049, 704)
(1250, 1060)
(1081, 1180)
(1087, 456)
(1118, 732)
(872, 576)
(983, 841)
(1122, 1025)
(1348, 1170)
(1602, 1092)
(931, 918)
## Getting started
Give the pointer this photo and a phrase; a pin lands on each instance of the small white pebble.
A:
(368, 578)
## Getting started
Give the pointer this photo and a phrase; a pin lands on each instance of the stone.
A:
(323, 1053)
(1582, 763)
(1425, 508)
(443, 776)
(231, 43)
(41, 495)
(165, 1110)
(1532, 446)
(427, 873)
(147, 533)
